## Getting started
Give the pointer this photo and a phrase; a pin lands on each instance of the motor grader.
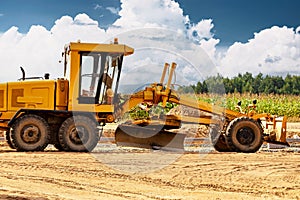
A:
(69, 112)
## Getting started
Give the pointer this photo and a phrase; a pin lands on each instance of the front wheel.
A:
(30, 133)
(244, 135)
(78, 133)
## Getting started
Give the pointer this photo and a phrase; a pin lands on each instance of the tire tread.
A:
(231, 128)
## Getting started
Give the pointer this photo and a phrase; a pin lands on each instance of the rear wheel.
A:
(58, 147)
(78, 133)
(244, 135)
(9, 139)
(54, 136)
(30, 133)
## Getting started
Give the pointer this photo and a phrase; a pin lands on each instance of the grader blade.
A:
(149, 138)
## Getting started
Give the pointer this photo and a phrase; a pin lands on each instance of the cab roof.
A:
(96, 47)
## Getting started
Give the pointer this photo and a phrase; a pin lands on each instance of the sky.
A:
(234, 20)
(235, 36)
(237, 21)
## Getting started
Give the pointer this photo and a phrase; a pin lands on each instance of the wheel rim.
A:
(78, 135)
(245, 136)
(31, 134)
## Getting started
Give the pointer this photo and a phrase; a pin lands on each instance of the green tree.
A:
(256, 83)
(215, 84)
(229, 88)
(296, 85)
(237, 83)
(288, 85)
(247, 81)
(204, 87)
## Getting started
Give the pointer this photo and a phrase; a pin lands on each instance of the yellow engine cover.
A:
(38, 94)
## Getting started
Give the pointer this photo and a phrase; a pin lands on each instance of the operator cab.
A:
(94, 71)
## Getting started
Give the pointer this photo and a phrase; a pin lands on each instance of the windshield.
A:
(99, 77)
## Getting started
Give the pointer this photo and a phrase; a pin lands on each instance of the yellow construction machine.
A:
(68, 112)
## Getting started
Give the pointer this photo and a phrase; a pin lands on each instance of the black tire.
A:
(58, 147)
(244, 135)
(218, 140)
(30, 133)
(9, 139)
(54, 135)
(221, 145)
(78, 133)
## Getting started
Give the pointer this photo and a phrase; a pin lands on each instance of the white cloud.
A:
(39, 50)
(150, 13)
(202, 29)
(159, 32)
(113, 10)
(165, 14)
(273, 50)
(83, 19)
(1, 14)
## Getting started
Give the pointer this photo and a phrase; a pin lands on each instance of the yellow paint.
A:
(3, 97)
(62, 94)
(31, 94)
(108, 48)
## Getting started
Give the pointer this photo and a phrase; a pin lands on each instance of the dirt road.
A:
(60, 175)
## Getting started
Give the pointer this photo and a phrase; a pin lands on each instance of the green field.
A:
(281, 105)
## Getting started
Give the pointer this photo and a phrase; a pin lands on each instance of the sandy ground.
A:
(123, 173)
(145, 175)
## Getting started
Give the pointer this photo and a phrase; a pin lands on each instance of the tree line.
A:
(246, 83)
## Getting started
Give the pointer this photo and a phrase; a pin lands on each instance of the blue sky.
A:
(233, 20)
(257, 36)
(238, 20)
(23, 15)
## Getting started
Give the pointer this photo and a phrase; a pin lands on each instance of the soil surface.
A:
(111, 172)
(145, 175)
